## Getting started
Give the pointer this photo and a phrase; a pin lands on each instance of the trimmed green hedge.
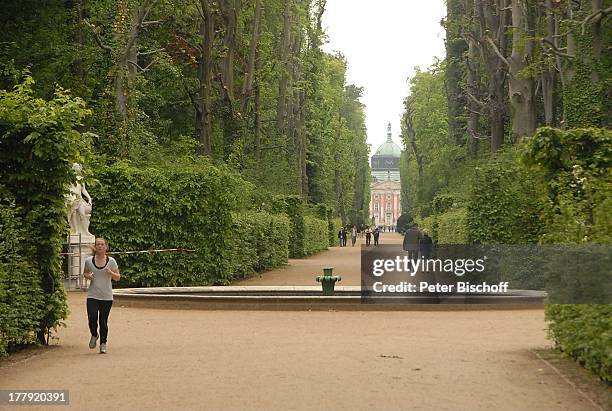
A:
(451, 227)
(334, 226)
(185, 206)
(584, 332)
(325, 212)
(21, 296)
(306, 236)
(578, 167)
(190, 206)
(316, 235)
(258, 241)
(505, 202)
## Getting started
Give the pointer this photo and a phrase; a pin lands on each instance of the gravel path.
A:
(272, 360)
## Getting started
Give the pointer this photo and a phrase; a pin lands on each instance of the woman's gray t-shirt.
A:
(100, 287)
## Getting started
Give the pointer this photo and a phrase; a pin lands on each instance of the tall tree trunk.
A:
(125, 69)
(203, 113)
(247, 85)
(548, 75)
(521, 85)
(294, 110)
(340, 209)
(257, 116)
(493, 21)
(282, 85)
(302, 138)
(229, 12)
(455, 49)
(80, 41)
(412, 139)
(474, 103)
(292, 84)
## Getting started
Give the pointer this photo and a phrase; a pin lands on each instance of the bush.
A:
(21, 296)
(403, 222)
(430, 224)
(326, 213)
(258, 241)
(187, 206)
(39, 142)
(442, 203)
(505, 202)
(305, 234)
(451, 227)
(315, 235)
(577, 164)
(193, 206)
(584, 333)
(335, 224)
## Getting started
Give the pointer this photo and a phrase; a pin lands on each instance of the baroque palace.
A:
(385, 189)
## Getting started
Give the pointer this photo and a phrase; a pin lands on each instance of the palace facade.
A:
(385, 189)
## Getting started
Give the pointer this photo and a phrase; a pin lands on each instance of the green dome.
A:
(389, 149)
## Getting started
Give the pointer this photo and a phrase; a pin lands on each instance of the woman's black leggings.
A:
(93, 308)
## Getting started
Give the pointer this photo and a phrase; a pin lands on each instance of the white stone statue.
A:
(79, 205)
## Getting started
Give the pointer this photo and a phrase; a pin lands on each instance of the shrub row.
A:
(316, 235)
(505, 202)
(184, 206)
(202, 208)
(309, 232)
(448, 223)
(584, 332)
(258, 241)
(451, 227)
(39, 142)
(21, 297)
(578, 166)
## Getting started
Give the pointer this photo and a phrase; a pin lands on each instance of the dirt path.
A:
(229, 360)
(345, 260)
(273, 360)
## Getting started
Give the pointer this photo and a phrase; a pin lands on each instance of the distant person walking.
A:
(344, 236)
(368, 235)
(100, 269)
(376, 235)
(354, 235)
(412, 239)
(340, 239)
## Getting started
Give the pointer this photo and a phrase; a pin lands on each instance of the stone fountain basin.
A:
(310, 298)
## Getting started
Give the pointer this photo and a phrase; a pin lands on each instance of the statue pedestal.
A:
(81, 247)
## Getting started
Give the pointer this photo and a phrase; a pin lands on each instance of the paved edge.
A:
(298, 303)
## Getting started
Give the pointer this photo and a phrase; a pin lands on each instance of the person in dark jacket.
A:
(376, 235)
(412, 239)
(425, 247)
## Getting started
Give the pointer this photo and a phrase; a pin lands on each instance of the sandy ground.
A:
(236, 360)
(272, 360)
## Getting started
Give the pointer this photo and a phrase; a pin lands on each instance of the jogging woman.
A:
(100, 269)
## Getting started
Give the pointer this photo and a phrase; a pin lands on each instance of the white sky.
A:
(383, 41)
